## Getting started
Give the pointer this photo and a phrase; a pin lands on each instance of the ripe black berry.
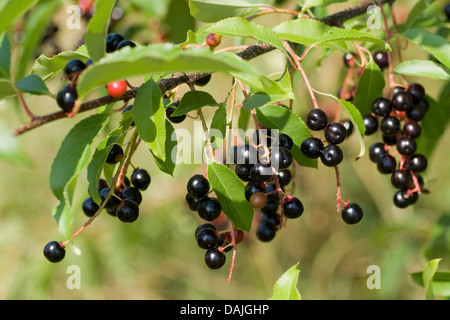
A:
(198, 186)
(271, 207)
(54, 252)
(115, 155)
(418, 163)
(243, 171)
(352, 213)
(386, 164)
(132, 193)
(418, 111)
(281, 157)
(66, 97)
(348, 126)
(207, 238)
(214, 258)
(112, 203)
(112, 41)
(412, 129)
(265, 232)
(176, 119)
(246, 154)
(382, 107)
(125, 43)
(74, 66)
(406, 146)
(202, 227)
(390, 125)
(417, 91)
(285, 141)
(331, 155)
(284, 177)
(251, 188)
(349, 59)
(293, 208)
(312, 147)
(90, 207)
(403, 199)
(371, 124)
(209, 208)
(376, 150)
(260, 173)
(192, 202)
(402, 101)
(335, 133)
(401, 179)
(381, 59)
(140, 178)
(128, 211)
(316, 119)
(203, 81)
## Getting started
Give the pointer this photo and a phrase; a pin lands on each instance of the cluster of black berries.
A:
(398, 119)
(171, 109)
(257, 166)
(335, 133)
(123, 203)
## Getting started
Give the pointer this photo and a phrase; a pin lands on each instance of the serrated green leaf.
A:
(150, 117)
(160, 59)
(193, 100)
(423, 68)
(418, 9)
(287, 122)
(302, 31)
(230, 192)
(216, 10)
(168, 165)
(356, 118)
(46, 68)
(33, 84)
(435, 45)
(339, 34)
(286, 286)
(239, 27)
(97, 29)
(428, 273)
(5, 58)
(12, 10)
(370, 87)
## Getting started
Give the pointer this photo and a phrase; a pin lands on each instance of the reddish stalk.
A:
(233, 259)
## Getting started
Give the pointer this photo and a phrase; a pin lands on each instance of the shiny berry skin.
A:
(90, 207)
(132, 193)
(316, 119)
(376, 150)
(203, 81)
(285, 141)
(371, 124)
(271, 207)
(214, 258)
(209, 208)
(192, 202)
(251, 188)
(66, 98)
(348, 124)
(117, 89)
(386, 164)
(382, 107)
(74, 66)
(174, 119)
(243, 171)
(115, 155)
(141, 179)
(418, 111)
(292, 208)
(281, 158)
(265, 232)
(54, 252)
(403, 199)
(312, 147)
(202, 227)
(284, 177)
(349, 59)
(352, 213)
(390, 140)
(213, 39)
(381, 59)
(412, 129)
(246, 154)
(125, 43)
(418, 163)
(207, 238)
(128, 211)
(335, 133)
(112, 203)
(403, 101)
(417, 91)
(261, 173)
(258, 200)
(331, 155)
(112, 41)
(272, 192)
(198, 186)
(406, 146)
(390, 125)
(401, 179)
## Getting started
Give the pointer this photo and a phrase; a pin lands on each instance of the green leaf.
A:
(33, 84)
(74, 151)
(160, 59)
(239, 27)
(338, 34)
(46, 68)
(302, 31)
(6, 90)
(97, 29)
(5, 58)
(193, 100)
(435, 45)
(287, 122)
(150, 117)
(418, 9)
(179, 21)
(10, 151)
(12, 10)
(307, 4)
(428, 273)
(230, 192)
(423, 68)
(356, 118)
(370, 87)
(218, 126)
(286, 286)
(168, 165)
(216, 10)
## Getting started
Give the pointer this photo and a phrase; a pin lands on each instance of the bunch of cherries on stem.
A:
(399, 120)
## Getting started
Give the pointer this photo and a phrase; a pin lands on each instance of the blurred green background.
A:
(157, 257)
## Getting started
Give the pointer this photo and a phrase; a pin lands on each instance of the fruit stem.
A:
(338, 188)
(233, 242)
(23, 102)
(389, 53)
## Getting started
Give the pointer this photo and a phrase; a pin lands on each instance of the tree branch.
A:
(177, 79)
